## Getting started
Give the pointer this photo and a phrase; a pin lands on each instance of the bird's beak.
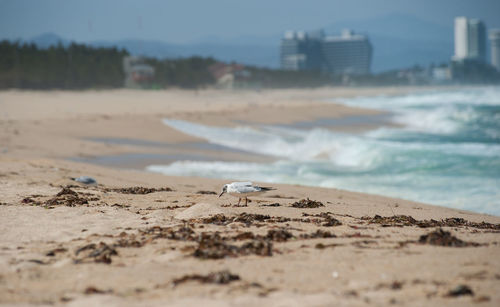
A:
(221, 194)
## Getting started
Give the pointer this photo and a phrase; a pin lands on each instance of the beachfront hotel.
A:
(470, 40)
(347, 54)
(301, 51)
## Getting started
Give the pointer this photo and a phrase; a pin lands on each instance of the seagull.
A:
(243, 189)
(85, 180)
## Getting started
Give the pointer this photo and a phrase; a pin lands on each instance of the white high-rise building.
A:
(495, 48)
(461, 38)
(470, 39)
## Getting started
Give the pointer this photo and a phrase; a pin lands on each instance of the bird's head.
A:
(224, 190)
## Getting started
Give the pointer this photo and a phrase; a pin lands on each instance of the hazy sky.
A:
(181, 21)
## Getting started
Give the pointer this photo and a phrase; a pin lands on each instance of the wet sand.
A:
(173, 242)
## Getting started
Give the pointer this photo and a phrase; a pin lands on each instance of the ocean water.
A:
(446, 151)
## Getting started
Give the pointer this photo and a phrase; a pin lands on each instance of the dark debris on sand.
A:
(405, 220)
(276, 235)
(65, 197)
(216, 245)
(250, 218)
(181, 233)
(100, 253)
(245, 218)
(283, 235)
(460, 290)
(210, 245)
(395, 221)
(455, 222)
(213, 246)
(220, 278)
(70, 198)
(130, 240)
(279, 235)
(94, 290)
(217, 219)
(323, 246)
(327, 219)
(271, 205)
(138, 190)
(55, 251)
(318, 234)
(444, 238)
(67, 191)
(307, 203)
(28, 200)
(202, 192)
(247, 235)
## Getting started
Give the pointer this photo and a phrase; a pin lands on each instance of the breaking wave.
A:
(447, 152)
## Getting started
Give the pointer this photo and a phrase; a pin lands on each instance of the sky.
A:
(186, 21)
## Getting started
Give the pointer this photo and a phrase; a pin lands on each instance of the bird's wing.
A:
(85, 179)
(246, 189)
(241, 184)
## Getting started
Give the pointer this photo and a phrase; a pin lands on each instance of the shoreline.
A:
(98, 126)
(127, 114)
(143, 238)
(205, 151)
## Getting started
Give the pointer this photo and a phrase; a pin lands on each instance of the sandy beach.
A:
(139, 238)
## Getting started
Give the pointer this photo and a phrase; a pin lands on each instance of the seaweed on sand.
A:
(307, 203)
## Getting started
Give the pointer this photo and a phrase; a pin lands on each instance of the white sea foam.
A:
(432, 112)
(471, 193)
(447, 153)
(473, 96)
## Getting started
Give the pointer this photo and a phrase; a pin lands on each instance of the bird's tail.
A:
(267, 188)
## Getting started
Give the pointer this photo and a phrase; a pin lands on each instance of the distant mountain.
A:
(141, 47)
(399, 41)
(46, 40)
(253, 54)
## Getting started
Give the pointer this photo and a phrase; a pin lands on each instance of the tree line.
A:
(76, 66)
(79, 66)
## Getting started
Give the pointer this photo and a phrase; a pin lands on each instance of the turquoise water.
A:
(446, 152)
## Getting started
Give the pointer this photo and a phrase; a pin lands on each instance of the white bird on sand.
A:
(243, 190)
(85, 180)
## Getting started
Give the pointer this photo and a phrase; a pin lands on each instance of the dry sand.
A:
(104, 245)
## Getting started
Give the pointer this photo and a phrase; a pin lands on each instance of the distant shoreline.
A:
(79, 118)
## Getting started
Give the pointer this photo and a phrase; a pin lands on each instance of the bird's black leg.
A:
(239, 200)
(246, 201)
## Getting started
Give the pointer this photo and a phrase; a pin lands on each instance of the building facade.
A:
(495, 48)
(349, 54)
(477, 40)
(299, 51)
(137, 73)
(470, 40)
(461, 38)
(346, 54)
